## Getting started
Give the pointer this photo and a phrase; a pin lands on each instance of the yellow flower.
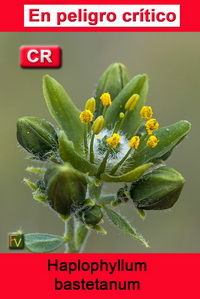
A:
(132, 102)
(152, 141)
(90, 105)
(146, 112)
(151, 125)
(86, 116)
(114, 140)
(106, 99)
(134, 142)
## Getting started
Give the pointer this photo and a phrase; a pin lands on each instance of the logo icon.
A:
(16, 241)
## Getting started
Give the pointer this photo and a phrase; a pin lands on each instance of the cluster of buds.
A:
(114, 139)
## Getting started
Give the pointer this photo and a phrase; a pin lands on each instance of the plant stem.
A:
(104, 111)
(91, 149)
(81, 234)
(69, 235)
(85, 139)
(121, 162)
(138, 126)
(103, 163)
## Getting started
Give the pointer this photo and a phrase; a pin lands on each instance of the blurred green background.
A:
(171, 60)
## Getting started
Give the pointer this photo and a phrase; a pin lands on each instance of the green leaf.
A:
(131, 176)
(138, 85)
(113, 81)
(68, 154)
(168, 138)
(63, 110)
(43, 243)
(123, 225)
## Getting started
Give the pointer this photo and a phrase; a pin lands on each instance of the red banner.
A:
(97, 275)
(139, 16)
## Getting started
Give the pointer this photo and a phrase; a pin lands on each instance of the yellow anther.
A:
(134, 142)
(98, 125)
(114, 140)
(132, 102)
(86, 116)
(90, 105)
(106, 99)
(152, 141)
(146, 112)
(151, 125)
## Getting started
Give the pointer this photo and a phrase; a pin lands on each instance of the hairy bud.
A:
(36, 135)
(90, 214)
(65, 187)
(157, 190)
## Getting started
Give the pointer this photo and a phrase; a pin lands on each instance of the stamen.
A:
(151, 125)
(152, 141)
(146, 112)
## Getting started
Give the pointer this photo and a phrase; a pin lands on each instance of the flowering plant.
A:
(114, 139)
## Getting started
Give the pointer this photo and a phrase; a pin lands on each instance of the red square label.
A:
(40, 57)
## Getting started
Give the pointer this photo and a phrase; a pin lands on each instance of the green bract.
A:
(115, 139)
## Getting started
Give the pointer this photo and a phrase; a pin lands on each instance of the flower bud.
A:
(90, 214)
(36, 135)
(98, 125)
(157, 190)
(66, 188)
(90, 105)
(132, 102)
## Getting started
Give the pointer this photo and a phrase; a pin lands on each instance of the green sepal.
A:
(97, 228)
(68, 154)
(141, 213)
(30, 184)
(63, 110)
(138, 85)
(40, 197)
(42, 243)
(36, 169)
(131, 176)
(123, 225)
(168, 138)
(113, 81)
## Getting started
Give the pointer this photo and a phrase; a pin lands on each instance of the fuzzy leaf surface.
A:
(42, 243)
(68, 154)
(63, 110)
(123, 225)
